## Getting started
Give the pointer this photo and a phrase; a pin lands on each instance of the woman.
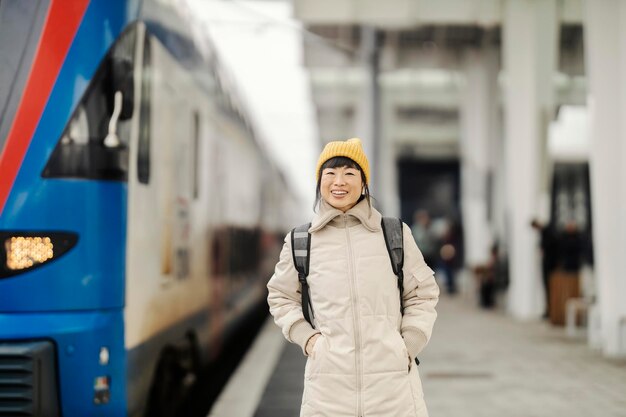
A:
(361, 352)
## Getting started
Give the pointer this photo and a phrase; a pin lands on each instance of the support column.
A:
(497, 183)
(605, 56)
(478, 115)
(389, 190)
(530, 34)
(368, 122)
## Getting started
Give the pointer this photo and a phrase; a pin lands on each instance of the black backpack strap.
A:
(300, 251)
(394, 239)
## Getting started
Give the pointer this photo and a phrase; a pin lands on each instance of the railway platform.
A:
(479, 363)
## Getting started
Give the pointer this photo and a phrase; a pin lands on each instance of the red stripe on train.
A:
(59, 30)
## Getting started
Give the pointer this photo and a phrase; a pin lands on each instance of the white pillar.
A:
(497, 183)
(368, 120)
(389, 190)
(605, 55)
(478, 114)
(529, 48)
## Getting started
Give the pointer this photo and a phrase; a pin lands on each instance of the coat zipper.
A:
(356, 319)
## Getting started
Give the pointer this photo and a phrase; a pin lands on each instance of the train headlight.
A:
(21, 251)
(24, 252)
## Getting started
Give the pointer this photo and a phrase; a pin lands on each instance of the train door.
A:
(144, 261)
(162, 299)
(143, 258)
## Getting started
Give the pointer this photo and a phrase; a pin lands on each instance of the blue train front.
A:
(130, 247)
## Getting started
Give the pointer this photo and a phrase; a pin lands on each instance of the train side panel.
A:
(167, 293)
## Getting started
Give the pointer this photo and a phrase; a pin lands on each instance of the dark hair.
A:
(341, 162)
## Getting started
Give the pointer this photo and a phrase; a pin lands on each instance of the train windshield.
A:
(21, 23)
(94, 143)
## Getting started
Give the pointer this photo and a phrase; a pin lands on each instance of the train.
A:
(141, 214)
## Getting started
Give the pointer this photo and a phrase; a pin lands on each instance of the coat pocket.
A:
(313, 364)
(416, 384)
(422, 273)
(383, 347)
(404, 353)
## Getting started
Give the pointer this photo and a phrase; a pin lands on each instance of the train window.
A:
(21, 23)
(145, 119)
(196, 152)
(94, 144)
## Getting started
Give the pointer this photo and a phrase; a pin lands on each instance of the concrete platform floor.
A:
(486, 364)
(483, 363)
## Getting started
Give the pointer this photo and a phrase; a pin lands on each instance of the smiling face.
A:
(341, 186)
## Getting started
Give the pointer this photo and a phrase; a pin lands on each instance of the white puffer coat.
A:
(360, 365)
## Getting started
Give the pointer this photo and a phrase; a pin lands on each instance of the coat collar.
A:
(361, 213)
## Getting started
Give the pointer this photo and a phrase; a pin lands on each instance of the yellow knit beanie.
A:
(350, 148)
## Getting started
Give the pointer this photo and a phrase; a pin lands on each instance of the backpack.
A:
(301, 248)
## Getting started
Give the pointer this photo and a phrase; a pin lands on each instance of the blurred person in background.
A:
(565, 280)
(424, 236)
(450, 253)
(549, 256)
(487, 275)
(360, 346)
(570, 248)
